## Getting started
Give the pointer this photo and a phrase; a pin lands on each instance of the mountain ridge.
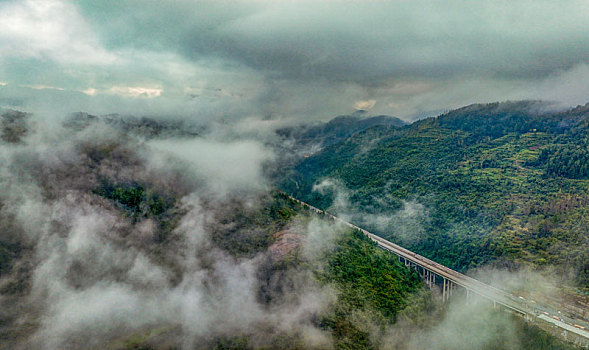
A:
(472, 169)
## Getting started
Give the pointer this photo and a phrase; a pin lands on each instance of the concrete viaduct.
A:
(435, 274)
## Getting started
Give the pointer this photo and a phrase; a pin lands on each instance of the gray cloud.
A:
(359, 40)
(292, 59)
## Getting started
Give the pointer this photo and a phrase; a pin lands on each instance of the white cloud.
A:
(51, 30)
(135, 91)
(364, 105)
(42, 87)
(226, 166)
(571, 87)
(90, 91)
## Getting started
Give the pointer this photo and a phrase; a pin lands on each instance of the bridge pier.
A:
(447, 289)
(444, 282)
(428, 277)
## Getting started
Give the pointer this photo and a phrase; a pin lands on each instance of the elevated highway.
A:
(434, 274)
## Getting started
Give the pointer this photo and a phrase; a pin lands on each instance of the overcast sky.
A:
(289, 59)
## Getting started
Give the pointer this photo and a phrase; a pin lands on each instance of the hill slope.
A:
(106, 244)
(505, 183)
(108, 241)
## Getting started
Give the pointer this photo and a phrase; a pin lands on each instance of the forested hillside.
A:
(127, 252)
(107, 244)
(501, 183)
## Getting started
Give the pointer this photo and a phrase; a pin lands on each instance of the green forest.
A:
(511, 194)
(501, 183)
(375, 293)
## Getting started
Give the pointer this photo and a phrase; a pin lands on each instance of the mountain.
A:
(502, 183)
(110, 240)
(337, 129)
(106, 244)
(303, 140)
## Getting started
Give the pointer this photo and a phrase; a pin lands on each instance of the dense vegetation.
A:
(503, 183)
(370, 285)
(370, 281)
(264, 238)
(337, 129)
(374, 293)
(13, 126)
(135, 198)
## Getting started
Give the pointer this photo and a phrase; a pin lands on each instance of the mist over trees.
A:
(122, 236)
(151, 153)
